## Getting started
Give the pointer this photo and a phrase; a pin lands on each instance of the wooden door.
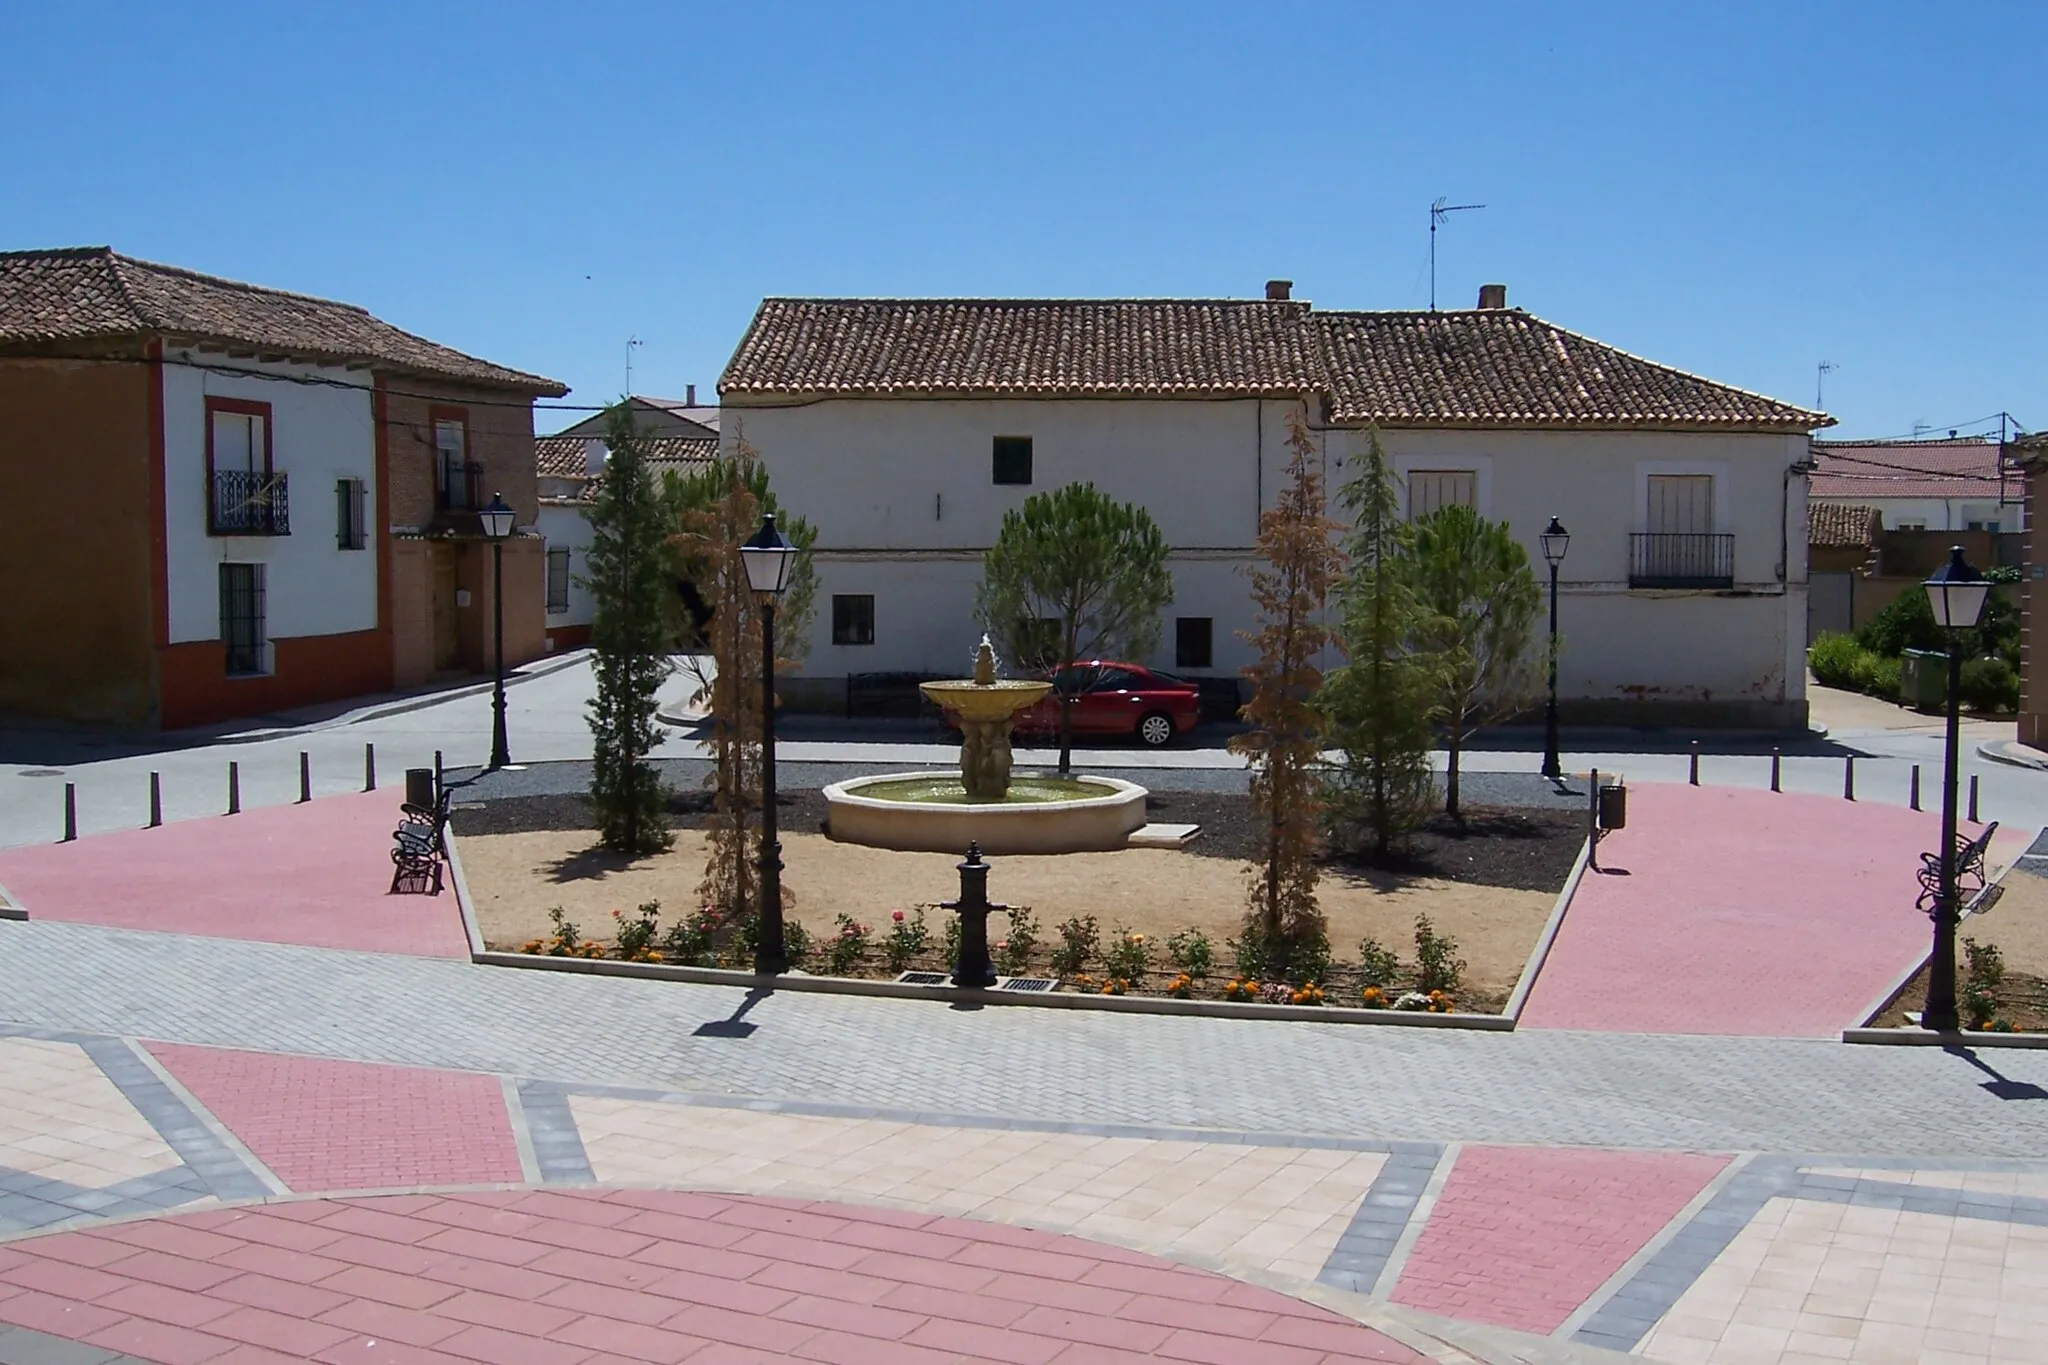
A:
(447, 639)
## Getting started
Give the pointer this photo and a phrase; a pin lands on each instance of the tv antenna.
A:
(1820, 379)
(1439, 213)
(632, 344)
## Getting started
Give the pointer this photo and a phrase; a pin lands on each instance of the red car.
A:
(1113, 698)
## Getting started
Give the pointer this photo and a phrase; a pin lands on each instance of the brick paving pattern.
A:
(314, 874)
(1742, 912)
(1520, 1236)
(325, 1125)
(588, 1278)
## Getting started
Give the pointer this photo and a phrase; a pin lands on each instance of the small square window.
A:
(1013, 459)
(853, 618)
(1193, 641)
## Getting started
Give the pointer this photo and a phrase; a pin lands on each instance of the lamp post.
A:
(769, 557)
(497, 521)
(1956, 591)
(1556, 540)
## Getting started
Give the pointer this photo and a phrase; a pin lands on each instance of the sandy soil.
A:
(516, 879)
(2017, 925)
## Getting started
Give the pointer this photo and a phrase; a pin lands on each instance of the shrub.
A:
(796, 941)
(949, 940)
(1437, 964)
(566, 940)
(1906, 622)
(1191, 952)
(1308, 957)
(849, 946)
(1251, 953)
(1241, 989)
(1182, 987)
(1377, 966)
(1079, 941)
(1880, 677)
(907, 938)
(1128, 958)
(690, 941)
(636, 935)
(1990, 685)
(1984, 964)
(1835, 659)
(1013, 953)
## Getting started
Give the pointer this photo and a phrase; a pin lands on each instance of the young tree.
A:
(627, 575)
(1479, 601)
(1077, 571)
(1291, 590)
(715, 509)
(1378, 702)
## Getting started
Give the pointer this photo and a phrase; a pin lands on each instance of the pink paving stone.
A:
(1742, 913)
(327, 1125)
(324, 871)
(787, 1310)
(1521, 1236)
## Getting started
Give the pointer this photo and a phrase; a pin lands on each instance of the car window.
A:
(1113, 680)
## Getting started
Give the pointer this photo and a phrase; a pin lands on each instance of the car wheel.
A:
(1155, 728)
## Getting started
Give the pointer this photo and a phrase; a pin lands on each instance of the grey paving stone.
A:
(20, 1346)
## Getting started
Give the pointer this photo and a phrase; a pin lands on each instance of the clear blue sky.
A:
(1740, 190)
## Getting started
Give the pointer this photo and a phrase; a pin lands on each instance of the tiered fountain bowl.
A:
(939, 812)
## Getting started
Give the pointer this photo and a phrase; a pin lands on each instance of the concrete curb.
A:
(10, 908)
(461, 889)
(1915, 1037)
(1541, 951)
(2009, 752)
(954, 995)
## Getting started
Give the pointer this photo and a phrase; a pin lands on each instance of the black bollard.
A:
(70, 812)
(1695, 777)
(305, 777)
(1777, 759)
(234, 788)
(1973, 798)
(1849, 777)
(369, 767)
(973, 967)
(1913, 791)
(156, 799)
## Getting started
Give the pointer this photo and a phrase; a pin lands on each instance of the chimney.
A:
(593, 456)
(1279, 290)
(1493, 296)
(689, 395)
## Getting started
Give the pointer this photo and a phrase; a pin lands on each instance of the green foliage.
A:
(1880, 677)
(907, 938)
(1077, 557)
(1128, 958)
(1191, 953)
(1079, 942)
(1479, 602)
(636, 935)
(1251, 952)
(1378, 703)
(1013, 950)
(627, 575)
(1990, 685)
(2004, 573)
(1837, 660)
(949, 941)
(1437, 964)
(1377, 965)
(1984, 963)
(691, 497)
(1907, 622)
(692, 941)
(849, 948)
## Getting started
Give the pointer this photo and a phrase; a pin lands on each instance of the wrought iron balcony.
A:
(460, 487)
(248, 502)
(1684, 559)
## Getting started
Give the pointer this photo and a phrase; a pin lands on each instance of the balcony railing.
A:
(461, 486)
(1685, 559)
(248, 502)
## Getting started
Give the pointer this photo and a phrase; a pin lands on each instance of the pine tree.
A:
(1379, 702)
(1290, 590)
(627, 576)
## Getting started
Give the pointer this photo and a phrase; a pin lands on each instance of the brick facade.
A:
(2033, 726)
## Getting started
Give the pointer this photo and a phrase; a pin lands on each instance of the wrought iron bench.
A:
(421, 847)
(1969, 869)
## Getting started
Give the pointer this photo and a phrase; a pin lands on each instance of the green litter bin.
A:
(1923, 679)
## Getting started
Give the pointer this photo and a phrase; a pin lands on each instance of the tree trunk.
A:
(1066, 734)
(1454, 742)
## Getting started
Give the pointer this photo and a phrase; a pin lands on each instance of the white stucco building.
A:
(1952, 484)
(903, 429)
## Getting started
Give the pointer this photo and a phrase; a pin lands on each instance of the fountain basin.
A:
(927, 812)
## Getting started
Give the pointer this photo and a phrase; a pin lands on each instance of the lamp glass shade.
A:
(769, 557)
(1556, 540)
(496, 518)
(1957, 591)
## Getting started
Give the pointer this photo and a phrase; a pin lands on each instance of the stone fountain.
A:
(942, 812)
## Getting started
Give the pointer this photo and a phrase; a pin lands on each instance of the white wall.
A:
(1941, 514)
(902, 495)
(320, 433)
(565, 527)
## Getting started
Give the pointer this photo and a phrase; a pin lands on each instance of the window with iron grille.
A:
(1431, 489)
(241, 617)
(351, 521)
(1013, 459)
(1193, 641)
(558, 582)
(853, 618)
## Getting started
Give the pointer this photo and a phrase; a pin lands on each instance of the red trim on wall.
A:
(247, 408)
(562, 638)
(380, 419)
(159, 511)
(195, 689)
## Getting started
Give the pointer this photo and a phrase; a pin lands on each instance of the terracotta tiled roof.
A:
(1836, 526)
(1500, 367)
(86, 293)
(1483, 367)
(562, 457)
(1965, 468)
(1026, 348)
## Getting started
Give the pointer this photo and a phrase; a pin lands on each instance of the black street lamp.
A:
(1556, 540)
(497, 521)
(1957, 592)
(769, 558)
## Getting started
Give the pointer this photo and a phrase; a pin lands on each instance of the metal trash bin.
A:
(1923, 679)
(1613, 809)
(419, 788)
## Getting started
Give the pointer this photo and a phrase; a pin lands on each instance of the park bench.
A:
(421, 847)
(1969, 869)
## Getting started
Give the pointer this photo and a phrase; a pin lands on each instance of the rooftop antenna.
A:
(632, 344)
(1820, 379)
(1439, 213)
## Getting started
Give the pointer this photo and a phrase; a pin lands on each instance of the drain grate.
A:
(922, 979)
(1028, 983)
